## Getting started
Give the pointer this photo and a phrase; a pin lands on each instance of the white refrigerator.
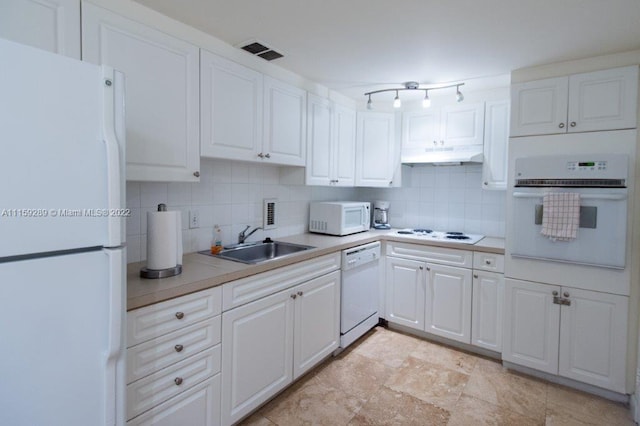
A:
(62, 255)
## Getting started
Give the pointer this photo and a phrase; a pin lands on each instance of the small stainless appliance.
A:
(381, 215)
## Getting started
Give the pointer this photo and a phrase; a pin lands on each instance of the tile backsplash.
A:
(230, 194)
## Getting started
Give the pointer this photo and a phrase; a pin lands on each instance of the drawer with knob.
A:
(488, 262)
(152, 321)
(156, 388)
(149, 357)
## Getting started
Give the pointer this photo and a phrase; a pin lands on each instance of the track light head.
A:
(459, 95)
(426, 102)
(397, 103)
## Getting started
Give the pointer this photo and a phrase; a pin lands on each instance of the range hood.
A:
(443, 155)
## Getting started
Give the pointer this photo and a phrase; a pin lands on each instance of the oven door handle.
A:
(615, 197)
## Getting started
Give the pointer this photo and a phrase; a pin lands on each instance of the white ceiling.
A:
(354, 46)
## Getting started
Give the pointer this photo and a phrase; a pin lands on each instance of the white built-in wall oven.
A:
(597, 183)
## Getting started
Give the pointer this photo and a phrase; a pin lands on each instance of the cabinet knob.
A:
(435, 142)
(196, 173)
(485, 183)
(573, 124)
(565, 294)
(441, 142)
(561, 125)
(475, 275)
(300, 293)
(267, 155)
(179, 315)
(178, 381)
(390, 182)
(488, 262)
(555, 293)
(428, 269)
(421, 268)
(178, 348)
(261, 155)
(293, 296)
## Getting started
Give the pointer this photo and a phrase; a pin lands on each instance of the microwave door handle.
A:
(614, 197)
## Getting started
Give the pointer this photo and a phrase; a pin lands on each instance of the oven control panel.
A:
(586, 165)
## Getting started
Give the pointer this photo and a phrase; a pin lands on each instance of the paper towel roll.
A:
(162, 239)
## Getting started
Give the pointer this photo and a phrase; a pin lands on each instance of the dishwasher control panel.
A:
(356, 256)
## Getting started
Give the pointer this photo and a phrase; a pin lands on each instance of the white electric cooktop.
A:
(429, 234)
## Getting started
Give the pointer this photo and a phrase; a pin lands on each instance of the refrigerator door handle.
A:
(115, 360)
(114, 176)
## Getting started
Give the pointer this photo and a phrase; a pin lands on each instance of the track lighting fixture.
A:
(414, 85)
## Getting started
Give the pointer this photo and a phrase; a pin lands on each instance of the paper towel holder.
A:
(161, 273)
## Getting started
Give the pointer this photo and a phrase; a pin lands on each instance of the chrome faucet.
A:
(242, 236)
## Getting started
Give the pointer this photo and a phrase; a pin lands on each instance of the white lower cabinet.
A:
(271, 341)
(431, 289)
(198, 406)
(448, 303)
(405, 292)
(173, 361)
(486, 312)
(577, 334)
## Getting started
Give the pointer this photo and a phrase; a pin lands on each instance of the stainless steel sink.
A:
(252, 253)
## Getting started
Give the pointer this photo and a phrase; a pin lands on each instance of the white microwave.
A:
(339, 217)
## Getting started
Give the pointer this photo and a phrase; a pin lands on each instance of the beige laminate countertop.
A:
(200, 272)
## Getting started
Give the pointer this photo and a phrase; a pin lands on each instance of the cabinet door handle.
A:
(178, 348)
(196, 173)
(179, 315)
(178, 381)
(293, 296)
(300, 293)
(267, 155)
(561, 125)
(261, 155)
(573, 124)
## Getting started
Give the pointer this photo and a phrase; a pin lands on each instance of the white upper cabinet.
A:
(331, 143)
(462, 124)
(285, 122)
(231, 101)
(420, 130)
(496, 142)
(440, 129)
(52, 25)
(344, 142)
(320, 149)
(601, 100)
(375, 140)
(161, 94)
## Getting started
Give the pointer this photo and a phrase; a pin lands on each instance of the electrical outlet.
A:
(194, 219)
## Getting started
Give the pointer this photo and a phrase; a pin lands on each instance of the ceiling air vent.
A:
(260, 49)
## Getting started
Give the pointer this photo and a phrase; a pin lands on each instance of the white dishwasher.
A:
(359, 301)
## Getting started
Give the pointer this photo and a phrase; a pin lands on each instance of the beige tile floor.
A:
(390, 378)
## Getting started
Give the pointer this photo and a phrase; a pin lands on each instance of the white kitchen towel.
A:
(560, 215)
